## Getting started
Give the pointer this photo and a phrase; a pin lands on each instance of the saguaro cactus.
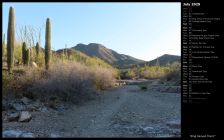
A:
(31, 53)
(66, 51)
(24, 49)
(27, 60)
(37, 50)
(11, 39)
(48, 44)
(3, 46)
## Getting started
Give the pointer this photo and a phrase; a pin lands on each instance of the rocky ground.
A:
(126, 111)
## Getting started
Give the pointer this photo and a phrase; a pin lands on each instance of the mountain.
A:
(164, 60)
(78, 56)
(108, 55)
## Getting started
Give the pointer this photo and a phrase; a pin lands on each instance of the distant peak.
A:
(95, 44)
(81, 44)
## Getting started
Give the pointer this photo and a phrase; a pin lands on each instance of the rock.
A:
(4, 118)
(11, 134)
(174, 124)
(34, 106)
(60, 108)
(37, 104)
(5, 105)
(25, 100)
(17, 134)
(13, 116)
(27, 135)
(43, 109)
(53, 135)
(18, 107)
(31, 107)
(147, 129)
(24, 116)
(33, 64)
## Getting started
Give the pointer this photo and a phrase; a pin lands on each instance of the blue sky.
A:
(142, 30)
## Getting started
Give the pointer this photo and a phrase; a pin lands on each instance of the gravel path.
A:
(122, 112)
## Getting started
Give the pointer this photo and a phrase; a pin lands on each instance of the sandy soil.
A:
(125, 111)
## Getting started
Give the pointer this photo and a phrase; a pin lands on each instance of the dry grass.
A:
(104, 78)
(66, 81)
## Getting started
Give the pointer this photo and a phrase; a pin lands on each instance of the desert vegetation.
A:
(36, 71)
(152, 72)
(65, 74)
(36, 77)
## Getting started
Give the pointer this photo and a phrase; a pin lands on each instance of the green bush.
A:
(175, 72)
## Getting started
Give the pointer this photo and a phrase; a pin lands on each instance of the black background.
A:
(203, 118)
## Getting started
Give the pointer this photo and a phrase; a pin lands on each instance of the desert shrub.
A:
(152, 72)
(67, 81)
(64, 80)
(128, 74)
(7, 82)
(11, 84)
(174, 72)
(146, 72)
(104, 78)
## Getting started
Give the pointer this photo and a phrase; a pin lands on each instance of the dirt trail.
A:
(122, 112)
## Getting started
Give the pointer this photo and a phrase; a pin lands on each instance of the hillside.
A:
(83, 58)
(164, 60)
(108, 55)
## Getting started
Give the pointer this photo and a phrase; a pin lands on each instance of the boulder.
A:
(11, 134)
(24, 116)
(25, 100)
(13, 116)
(147, 129)
(18, 107)
(34, 106)
(33, 64)
(27, 135)
(17, 134)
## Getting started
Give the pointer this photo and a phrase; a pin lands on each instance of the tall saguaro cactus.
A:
(11, 39)
(3, 46)
(48, 44)
(27, 60)
(24, 53)
(37, 50)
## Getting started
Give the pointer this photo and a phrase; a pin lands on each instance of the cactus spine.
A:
(11, 40)
(48, 43)
(24, 49)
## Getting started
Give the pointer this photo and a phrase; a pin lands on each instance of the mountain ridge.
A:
(108, 55)
(120, 60)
